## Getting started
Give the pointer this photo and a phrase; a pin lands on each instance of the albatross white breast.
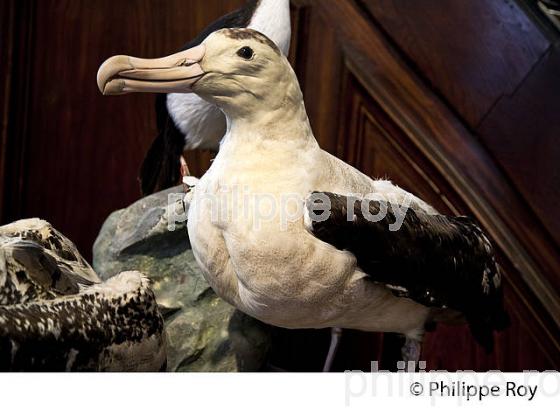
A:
(246, 219)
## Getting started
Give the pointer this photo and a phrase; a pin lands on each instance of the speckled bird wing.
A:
(38, 262)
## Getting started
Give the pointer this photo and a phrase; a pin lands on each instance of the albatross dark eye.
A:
(246, 53)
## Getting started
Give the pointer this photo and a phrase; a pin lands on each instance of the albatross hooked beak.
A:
(175, 73)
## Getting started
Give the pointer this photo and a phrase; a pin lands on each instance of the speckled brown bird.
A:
(57, 315)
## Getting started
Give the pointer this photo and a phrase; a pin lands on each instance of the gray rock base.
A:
(204, 332)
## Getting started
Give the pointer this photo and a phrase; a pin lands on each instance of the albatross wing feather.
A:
(438, 261)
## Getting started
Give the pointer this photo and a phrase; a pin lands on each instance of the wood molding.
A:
(366, 135)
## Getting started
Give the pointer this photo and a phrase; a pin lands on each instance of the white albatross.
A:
(246, 220)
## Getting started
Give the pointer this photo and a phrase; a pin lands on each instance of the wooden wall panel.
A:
(522, 131)
(498, 70)
(472, 52)
(322, 97)
(16, 43)
(6, 53)
(369, 141)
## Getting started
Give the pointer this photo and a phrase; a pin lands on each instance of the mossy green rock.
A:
(204, 333)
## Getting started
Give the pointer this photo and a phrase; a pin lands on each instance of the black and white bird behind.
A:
(57, 315)
(185, 121)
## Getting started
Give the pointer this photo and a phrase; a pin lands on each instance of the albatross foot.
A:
(336, 334)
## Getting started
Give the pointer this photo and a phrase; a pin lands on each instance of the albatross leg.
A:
(411, 354)
(336, 334)
(185, 172)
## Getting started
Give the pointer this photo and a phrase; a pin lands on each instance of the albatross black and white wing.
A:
(442, 262)
(57, 315)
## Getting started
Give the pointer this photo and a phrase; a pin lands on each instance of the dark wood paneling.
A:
(17, 43)
(523, 131)
(322, 97)
(497, 68)
(6, 53)
(472, 52)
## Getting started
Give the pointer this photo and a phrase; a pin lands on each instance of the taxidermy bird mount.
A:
(271, 266)
(57, 315)
(187, 122)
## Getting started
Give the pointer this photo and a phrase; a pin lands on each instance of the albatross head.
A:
(240, 70)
